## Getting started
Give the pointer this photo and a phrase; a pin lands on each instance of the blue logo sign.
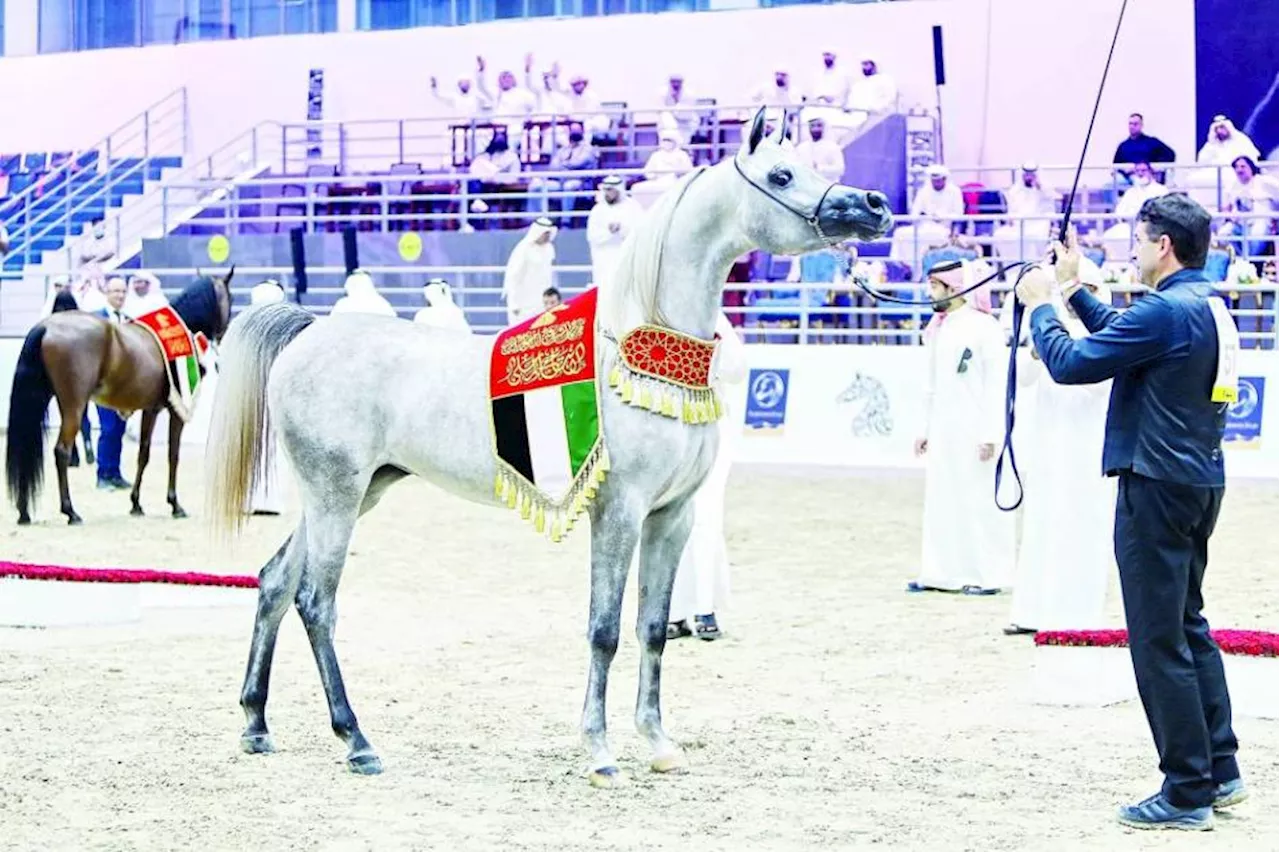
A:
(766, 399)
(1244, 417)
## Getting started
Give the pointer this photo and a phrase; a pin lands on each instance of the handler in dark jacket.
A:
(1173, 360)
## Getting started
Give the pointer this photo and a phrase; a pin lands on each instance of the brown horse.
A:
(77, 357)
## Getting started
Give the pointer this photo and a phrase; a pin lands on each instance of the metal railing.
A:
(823, 313)
(160, 130)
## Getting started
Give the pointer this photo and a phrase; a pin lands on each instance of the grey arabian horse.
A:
(359, 402)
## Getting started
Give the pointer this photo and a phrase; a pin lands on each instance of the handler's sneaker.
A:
(1229, 793)
(1158, 812)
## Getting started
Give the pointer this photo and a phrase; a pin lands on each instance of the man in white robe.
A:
(701, 586)
(821, 151)
(1064, 568)
(663, 168)
(1024, 236)
(1117, 240)
(968, 543)
(268, 496)
(145, 295)
(530, 271)
(873, 91)
(939, 203)
(362, 297)
(614, 215)
(441, 312)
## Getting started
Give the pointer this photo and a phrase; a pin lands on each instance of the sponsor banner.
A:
(1244, 416)
(766, 404)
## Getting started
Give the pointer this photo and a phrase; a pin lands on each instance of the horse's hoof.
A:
(257, 744)
(608, 778)
(667, 763)
(74, 520)
(365, 763)
(179, 512)
(24, 520)
(136, 511)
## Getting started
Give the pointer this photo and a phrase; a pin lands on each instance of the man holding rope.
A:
(1173, 360)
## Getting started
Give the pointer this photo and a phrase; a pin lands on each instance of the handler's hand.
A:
(1036, 287)
(922, 446)
(986, 452)
(1067, 265)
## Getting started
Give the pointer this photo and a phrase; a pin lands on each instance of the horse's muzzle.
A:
(848, 212)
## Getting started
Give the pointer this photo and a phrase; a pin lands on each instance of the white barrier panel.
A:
(861, 406)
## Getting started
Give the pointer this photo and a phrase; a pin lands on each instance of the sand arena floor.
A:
(838, 712)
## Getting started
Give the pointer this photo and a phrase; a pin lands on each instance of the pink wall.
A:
(1044, 56)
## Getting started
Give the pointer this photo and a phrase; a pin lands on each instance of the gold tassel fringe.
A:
(549, 519)
(695, 406)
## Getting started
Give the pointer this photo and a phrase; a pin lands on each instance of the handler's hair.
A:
(1183, 221)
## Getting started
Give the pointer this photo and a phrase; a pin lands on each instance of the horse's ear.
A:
(757, 131)
(230, 273)
(782, 128)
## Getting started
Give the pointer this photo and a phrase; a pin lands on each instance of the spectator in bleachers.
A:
(1140, 148)
(362, 297)
(95, 250)
(828, 99)
(583, 106)
(1118, 238)
(777, 91)
(530, 271)
(552, 298)
(940, 203)
(874, 92)
(610, 220)
(511, 102)
(467, 103)
(1249, 192)
(145, 295)
(497, 170)
(1225, 144)
(821, 152)
(663, 168)
(680, 111)
(1019, 237)
(441, 312)
(577, 155)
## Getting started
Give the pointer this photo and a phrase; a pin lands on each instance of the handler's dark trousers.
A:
(1162, 545)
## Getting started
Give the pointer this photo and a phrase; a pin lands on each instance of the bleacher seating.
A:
(38, 189)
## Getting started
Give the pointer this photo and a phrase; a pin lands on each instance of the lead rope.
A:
(1011, 381)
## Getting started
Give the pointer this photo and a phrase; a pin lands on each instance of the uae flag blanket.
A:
(545, 407)
(183, 353)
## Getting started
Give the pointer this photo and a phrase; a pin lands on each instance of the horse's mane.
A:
(632, 295)
(197, 304)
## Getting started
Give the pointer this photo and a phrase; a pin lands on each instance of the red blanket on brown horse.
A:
(77, 357)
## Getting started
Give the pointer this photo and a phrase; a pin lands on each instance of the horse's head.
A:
(205, 304)
(788, 208)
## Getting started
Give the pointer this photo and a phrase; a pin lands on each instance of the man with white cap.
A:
(821, 151)
(1030, 207)
(441, 312)
(1064, 569)
(1117, 239)
(144, 295)
(663, 167)
(938, 204)
(530, 271)
(968, 543)
(362, 297)
(873, 92)
(610, 220)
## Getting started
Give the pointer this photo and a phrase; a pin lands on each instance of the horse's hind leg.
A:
(329, 535)
(175, 447)
(147, 426)
(70, 411)
(662, 542)
(615, 529)
(277, 584)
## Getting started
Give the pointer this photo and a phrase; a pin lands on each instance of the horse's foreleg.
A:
(67, 433)
(175, 446)
(144, 456)
(277, 585)
(615, 529)
(662, 542)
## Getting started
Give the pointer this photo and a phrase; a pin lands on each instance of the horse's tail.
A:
(28, 403)
(240, 437)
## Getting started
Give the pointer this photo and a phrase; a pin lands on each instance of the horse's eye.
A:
(780, 176)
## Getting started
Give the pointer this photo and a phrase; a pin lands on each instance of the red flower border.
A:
(26, 571)
(1247, 643)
